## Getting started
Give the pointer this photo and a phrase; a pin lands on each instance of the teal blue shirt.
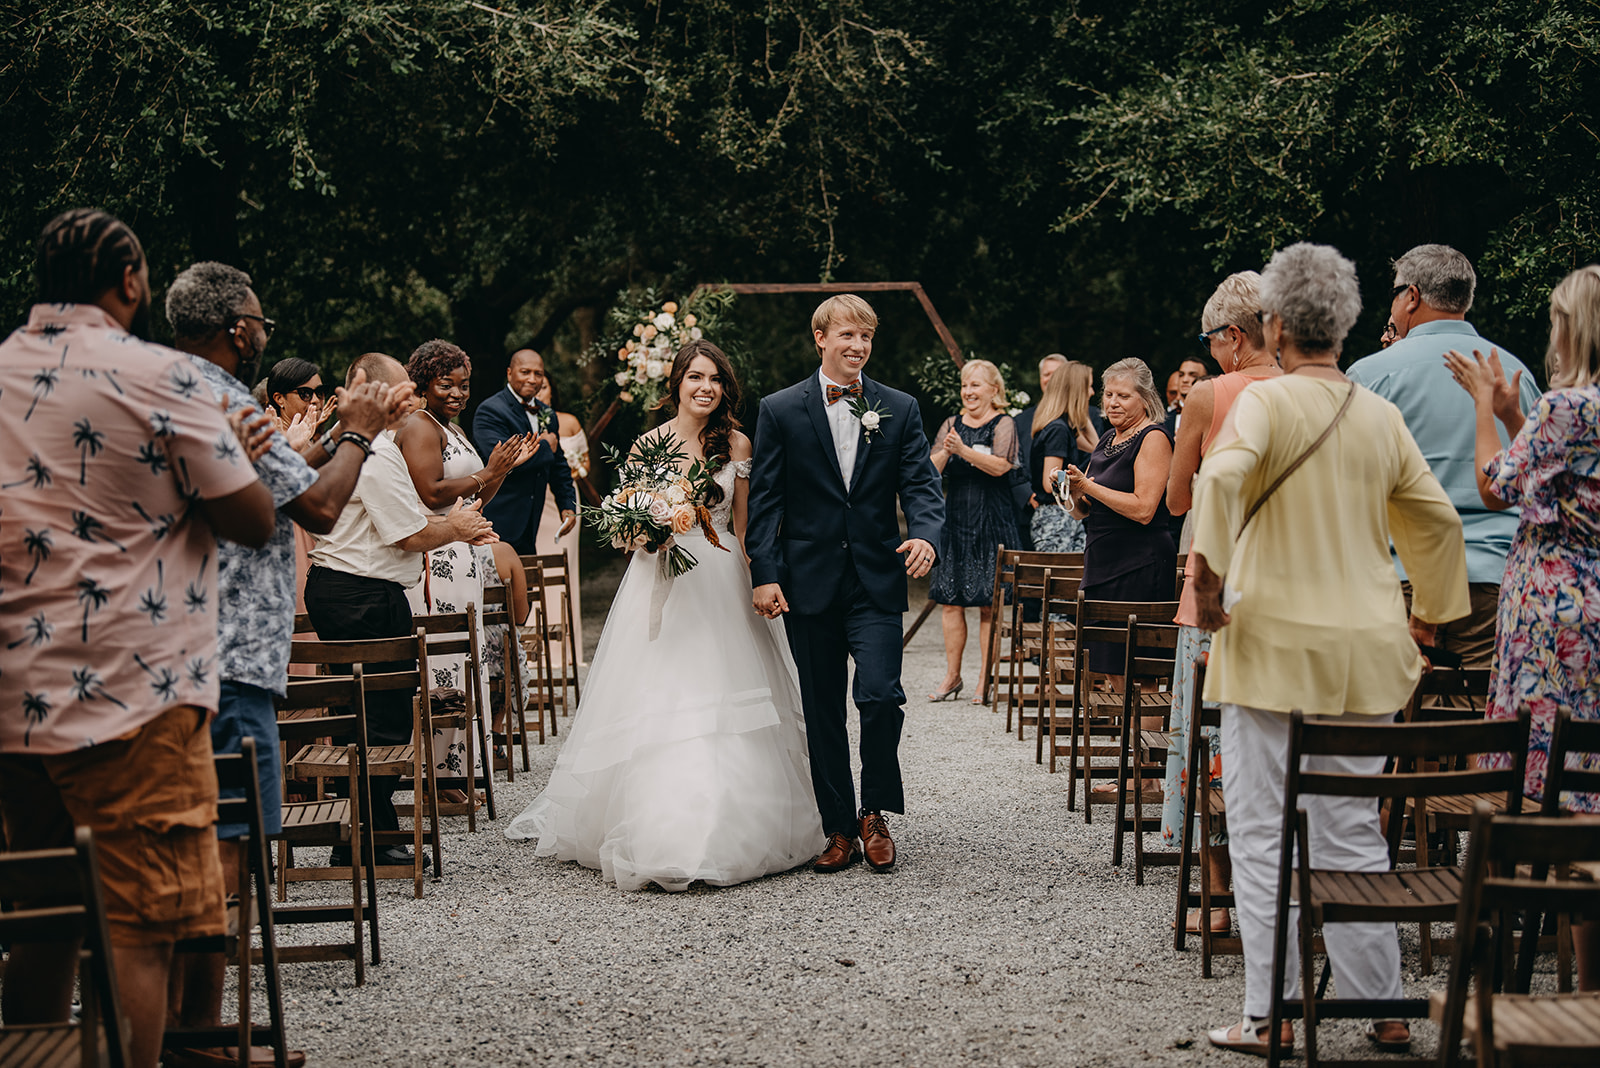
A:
(1412, 375)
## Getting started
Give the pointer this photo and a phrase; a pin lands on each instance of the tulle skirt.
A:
(687, 757)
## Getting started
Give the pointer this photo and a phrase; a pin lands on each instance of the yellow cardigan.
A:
(1320, 625)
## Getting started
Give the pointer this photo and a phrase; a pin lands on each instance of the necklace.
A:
(1118, 446)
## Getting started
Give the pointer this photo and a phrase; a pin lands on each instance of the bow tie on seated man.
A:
(516, 509)
(838, 392)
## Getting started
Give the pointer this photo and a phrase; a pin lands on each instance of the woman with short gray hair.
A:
(1295, 507)
(1128, 553)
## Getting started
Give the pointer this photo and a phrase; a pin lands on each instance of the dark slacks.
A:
(851, 627)
(346, 607)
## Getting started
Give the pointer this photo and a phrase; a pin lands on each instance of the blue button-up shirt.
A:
(1412, 375)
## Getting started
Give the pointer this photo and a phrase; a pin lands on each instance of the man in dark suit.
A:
(832, 455)
(515, 510)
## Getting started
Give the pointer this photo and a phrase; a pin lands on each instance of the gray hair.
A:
(1144, 383)
(206, 298)
(1312, 290)
(1054, 357)
(1444, 277)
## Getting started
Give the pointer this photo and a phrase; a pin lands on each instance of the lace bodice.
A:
(722, 512)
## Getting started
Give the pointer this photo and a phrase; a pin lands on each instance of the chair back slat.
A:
(1405, 784)
(1406, 744)
(1571, 737)
(1432, 741)
(41, 875)
(363, 651)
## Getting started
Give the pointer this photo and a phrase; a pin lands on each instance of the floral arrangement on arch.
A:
(646, 332)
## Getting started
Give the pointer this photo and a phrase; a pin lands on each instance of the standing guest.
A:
(1547, 647)
(296, 395)
(361, 570)
(1128, 552)
(446, 469)
(120, 473)
(1230, 329)
(216, 319)
(1063, 433)
(555, 536)
(1179, 383)
(513, 412)
(1433, 290)
(976, 451)
(1022, 494)
(1319, 625)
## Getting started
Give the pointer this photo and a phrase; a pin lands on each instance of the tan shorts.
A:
(150, 796)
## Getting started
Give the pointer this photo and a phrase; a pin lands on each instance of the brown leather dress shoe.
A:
(875, 841)
(842, 852)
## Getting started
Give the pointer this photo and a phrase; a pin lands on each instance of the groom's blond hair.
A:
(846, 307)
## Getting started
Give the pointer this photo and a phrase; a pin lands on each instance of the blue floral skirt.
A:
(1192, 644)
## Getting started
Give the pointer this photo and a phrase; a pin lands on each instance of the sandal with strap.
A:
(1246, 1037)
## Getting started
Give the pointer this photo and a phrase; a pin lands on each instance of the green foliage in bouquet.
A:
(643, 334)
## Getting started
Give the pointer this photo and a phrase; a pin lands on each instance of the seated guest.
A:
(512, 412)
(362, 568)
(1433, 290)
(1319, 625)
(121, 473)
(216, 319)
(1547, 654)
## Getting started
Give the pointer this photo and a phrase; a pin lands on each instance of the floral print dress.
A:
(453, 576)
(1547, 643)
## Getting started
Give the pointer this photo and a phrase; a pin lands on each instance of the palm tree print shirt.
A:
(108, 611)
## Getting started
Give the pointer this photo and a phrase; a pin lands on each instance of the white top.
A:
(845, 426)
(383, 510)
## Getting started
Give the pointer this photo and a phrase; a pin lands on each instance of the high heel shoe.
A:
(947, 695)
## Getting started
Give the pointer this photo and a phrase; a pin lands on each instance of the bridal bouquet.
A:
(654, 501)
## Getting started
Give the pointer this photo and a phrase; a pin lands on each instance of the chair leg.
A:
(1138, 809)
(1122, 789)
(1180, 927)
(488, 763)
(358, 907)
(269, 949)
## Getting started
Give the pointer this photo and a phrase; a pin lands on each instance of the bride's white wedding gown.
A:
(687, 757)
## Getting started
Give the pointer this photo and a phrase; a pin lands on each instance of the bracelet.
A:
(360, 442)
(478, 481)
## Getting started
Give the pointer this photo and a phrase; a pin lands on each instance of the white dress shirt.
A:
(845, 426)
(533, 422)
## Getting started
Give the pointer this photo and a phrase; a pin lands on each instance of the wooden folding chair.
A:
(513, 694)
(1203, 805)
(298, 719)
(58, 898)
(1058, 661)
(1151, 663)
(457, 634)
(551, 575)
(1394, 896)
(329, 821)
(1516, 1027)
(1021, 637)
(250, 908)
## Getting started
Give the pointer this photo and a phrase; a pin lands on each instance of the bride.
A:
(687, 759)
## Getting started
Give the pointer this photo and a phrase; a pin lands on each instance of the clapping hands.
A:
(1485, 380)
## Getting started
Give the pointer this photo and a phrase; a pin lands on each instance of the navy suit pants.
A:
(852, 627)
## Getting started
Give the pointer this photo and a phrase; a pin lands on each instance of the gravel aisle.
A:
(1002, 937)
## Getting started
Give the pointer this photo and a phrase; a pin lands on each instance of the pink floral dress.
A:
(1547, 645)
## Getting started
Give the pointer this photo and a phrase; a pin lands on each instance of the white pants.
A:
(1345, 834)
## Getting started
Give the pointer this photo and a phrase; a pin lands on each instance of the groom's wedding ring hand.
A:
(919, 557)
(769, 600)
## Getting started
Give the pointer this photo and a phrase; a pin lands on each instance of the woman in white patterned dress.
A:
(446, 468)
(687, 759)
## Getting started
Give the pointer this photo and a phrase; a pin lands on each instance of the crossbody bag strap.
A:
(1302, 458)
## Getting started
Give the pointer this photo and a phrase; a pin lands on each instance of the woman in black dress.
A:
(1064, 432)
(1128, 553)
(976, 451)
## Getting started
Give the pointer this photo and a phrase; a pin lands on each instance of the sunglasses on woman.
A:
(307, 394)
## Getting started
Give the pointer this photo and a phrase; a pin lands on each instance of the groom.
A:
(831, 455)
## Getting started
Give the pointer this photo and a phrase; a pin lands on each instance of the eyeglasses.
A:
(1205, 337)
(266, 324)
(1390, 333)
(1397, 290)
(307, 394)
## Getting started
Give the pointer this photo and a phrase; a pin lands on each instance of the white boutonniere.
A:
(870, 416)
(546, 419)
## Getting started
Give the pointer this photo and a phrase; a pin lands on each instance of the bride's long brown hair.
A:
(717, 435)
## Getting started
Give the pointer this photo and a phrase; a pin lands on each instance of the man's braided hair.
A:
(82, 253)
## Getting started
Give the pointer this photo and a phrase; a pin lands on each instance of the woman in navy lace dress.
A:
(976, 451)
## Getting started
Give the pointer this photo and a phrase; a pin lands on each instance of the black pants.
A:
(852, 627)
(346, 607)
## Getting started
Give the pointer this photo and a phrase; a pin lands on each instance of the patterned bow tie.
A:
(835, 392)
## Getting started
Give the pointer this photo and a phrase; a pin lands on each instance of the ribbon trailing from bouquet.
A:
(660, 590)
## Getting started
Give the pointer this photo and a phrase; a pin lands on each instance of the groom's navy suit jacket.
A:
(804, 528)
(516, 508)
